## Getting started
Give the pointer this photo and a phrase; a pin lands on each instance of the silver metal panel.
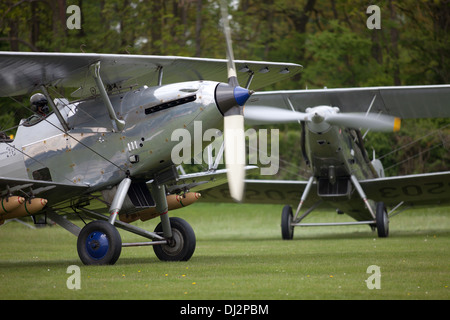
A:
(91, 154)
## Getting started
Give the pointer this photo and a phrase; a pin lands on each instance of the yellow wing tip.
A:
(397, 124)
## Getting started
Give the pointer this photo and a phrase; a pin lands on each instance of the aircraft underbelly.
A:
(322, 166)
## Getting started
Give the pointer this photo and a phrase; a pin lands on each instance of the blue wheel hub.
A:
(97, 245)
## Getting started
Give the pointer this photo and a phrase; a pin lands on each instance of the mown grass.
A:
(240, 255)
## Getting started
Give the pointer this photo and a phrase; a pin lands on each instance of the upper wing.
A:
(25, 72)
(403, 101)
(52, 191)
(417, 189)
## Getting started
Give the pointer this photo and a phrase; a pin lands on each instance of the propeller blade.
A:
(374, 122)
(232, 76)
(268, 115)
(230, 100)
(234, 141)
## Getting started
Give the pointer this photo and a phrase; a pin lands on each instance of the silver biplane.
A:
(342, 173)
(112, 145)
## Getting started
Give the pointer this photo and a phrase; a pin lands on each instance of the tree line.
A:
(330, 39)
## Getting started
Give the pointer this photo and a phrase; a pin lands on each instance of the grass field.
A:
(240, 255)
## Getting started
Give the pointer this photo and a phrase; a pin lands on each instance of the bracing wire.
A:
(71, 136)
(414, 156)
(412, 143)
(415, 141)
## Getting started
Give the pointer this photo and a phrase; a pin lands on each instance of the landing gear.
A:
(99, 243)
(378, 218)
(287, 229)
(382, 221)
(181, 246)
(288, 221)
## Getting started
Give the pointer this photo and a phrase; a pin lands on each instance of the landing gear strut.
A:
(180, 237)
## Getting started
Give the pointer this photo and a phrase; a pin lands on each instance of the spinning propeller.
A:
(319, 118)
(230, 99)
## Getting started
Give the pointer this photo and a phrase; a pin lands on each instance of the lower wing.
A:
(24, 197)
(52, 191)
(416, 189)
(263, 191)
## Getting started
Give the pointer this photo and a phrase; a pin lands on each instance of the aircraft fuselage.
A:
(92, 153)
(335, 154)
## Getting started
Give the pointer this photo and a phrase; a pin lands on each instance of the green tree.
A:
(328, 37)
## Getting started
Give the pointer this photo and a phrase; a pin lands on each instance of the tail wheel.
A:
(287, 230)
(382, 220)
(181, 246)
(99, 243)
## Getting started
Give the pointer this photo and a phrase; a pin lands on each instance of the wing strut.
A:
(95, 70)
(119, 198)
(55, 109)
(159, 192)
(160, 75)
(362, 194)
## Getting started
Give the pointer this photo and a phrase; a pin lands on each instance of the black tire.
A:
(382, 221)
(99, 243)
(287, 230)
(182, 245)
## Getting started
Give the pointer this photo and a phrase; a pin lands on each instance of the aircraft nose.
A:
(241, 95)
(228, 97)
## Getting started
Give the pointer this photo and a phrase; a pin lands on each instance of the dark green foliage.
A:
(329, 38)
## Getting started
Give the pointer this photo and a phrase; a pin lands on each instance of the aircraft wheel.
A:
(287, 230)
(382, 221)
(99, 243)
(182, 245)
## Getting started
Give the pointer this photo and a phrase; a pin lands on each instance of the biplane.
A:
(343, 177)
(111, 144)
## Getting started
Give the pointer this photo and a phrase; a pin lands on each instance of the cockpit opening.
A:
(39, 105)
(5, 138)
